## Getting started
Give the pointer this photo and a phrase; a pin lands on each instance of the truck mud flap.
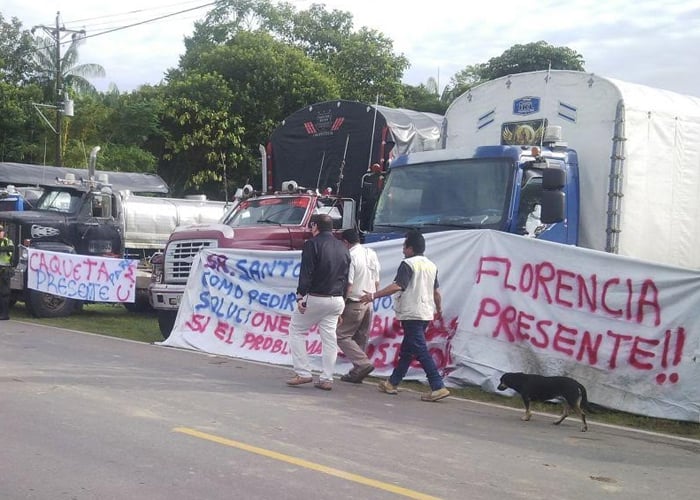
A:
(166, 321)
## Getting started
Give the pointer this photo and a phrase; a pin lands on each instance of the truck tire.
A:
(166, 321)
(45, 305)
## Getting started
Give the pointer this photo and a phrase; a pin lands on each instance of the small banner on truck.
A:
(628, 330)
(82, 277)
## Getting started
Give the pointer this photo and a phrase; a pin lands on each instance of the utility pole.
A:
(63, 106)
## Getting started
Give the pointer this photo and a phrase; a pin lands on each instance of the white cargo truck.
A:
(637, 149)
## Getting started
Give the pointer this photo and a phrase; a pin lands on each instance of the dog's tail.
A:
(584, 399)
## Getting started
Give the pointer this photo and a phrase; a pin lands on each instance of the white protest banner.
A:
(628, 330)
(82, 277)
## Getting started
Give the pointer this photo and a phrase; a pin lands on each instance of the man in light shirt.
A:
(353, 331)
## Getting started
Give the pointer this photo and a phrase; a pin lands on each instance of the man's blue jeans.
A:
(414, 346)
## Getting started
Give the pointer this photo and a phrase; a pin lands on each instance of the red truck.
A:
(329, 158)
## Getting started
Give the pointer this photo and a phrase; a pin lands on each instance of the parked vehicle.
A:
(516, 189)
(328, 157)
(98, 216)
(17, 199)
(630, 167)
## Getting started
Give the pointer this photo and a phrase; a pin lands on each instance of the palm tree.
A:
(57, 73)
(432, 86)
(73, 76)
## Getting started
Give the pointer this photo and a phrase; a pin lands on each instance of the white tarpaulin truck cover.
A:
(638, 150)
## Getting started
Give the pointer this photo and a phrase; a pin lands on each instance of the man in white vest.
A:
(417, 303)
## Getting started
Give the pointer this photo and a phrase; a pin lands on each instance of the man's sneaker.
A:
(298, 380)
(358, 376)
(348, 377)
(385, 386)
(363, 372)
(433, 396)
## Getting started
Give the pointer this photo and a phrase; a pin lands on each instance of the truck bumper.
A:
(166, 297)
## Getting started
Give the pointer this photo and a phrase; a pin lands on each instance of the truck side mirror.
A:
(553, 196)
(553, 178)
(553, 207)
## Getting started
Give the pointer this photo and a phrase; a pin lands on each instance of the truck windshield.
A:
(456, 193)
(59, 201)
(287, 210)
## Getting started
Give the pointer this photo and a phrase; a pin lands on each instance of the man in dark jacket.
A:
(323, 280)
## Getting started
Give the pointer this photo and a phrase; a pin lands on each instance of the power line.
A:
(160, 7)
(110, 24)
(150, 20)
(146, 21)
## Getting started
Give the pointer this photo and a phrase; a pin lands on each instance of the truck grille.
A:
(179, 256)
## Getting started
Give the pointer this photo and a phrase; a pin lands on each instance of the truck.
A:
(564, 156)
(522, 190)
(13, 199)
(329, 157)
(19, 183)
(101, 216)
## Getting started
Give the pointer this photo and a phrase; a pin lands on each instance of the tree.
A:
(422, 98)
(121, 124)
(73, 75)
(362, 62)
(531, 57)
(203, 134)
(431, 85)
(364, 67)
(16, 48)
(62, 76)
(461, 82)
(265, 80)
(21, 135)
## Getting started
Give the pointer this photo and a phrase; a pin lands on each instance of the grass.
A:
(116, 321)
(107, 319)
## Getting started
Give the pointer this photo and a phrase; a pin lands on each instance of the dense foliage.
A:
(247, 65)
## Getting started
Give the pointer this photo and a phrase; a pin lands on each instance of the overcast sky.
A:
(648, 42)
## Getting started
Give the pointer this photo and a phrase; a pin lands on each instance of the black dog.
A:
(540, 388)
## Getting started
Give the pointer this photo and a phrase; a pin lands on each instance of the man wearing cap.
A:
(7, 248)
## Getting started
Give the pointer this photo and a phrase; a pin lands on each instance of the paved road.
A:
(89, 417)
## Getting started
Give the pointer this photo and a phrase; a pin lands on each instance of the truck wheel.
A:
(45, 305)
(166, 321)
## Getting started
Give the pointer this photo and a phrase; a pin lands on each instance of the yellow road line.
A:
(305, 463)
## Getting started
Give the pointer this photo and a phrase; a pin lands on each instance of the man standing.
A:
(417, 303)
(323, 279)
(357, 315)
(6, 250)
